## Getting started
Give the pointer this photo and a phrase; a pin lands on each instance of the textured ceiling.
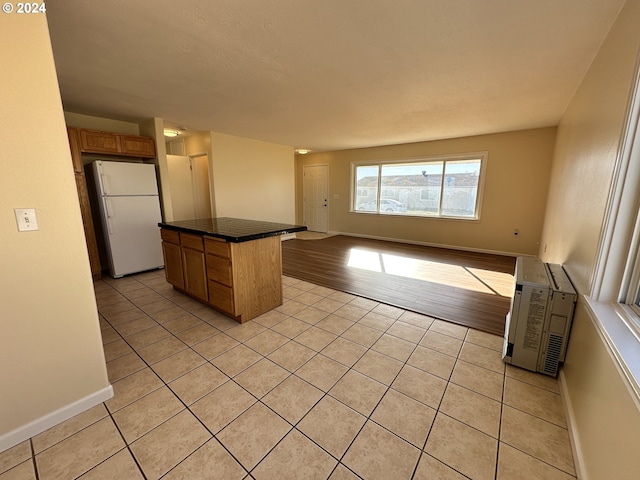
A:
(328, 74)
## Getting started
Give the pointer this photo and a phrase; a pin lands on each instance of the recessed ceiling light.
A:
(302, 151)
(169, 132)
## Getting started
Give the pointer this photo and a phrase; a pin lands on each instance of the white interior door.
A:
(189, 185)
(316, 197)
(200, 183)
(179, 169)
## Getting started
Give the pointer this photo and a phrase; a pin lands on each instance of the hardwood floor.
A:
(471, 289)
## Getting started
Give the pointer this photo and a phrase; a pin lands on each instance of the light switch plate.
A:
(26, 218)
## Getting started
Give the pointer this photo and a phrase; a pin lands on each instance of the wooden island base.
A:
(242, 280)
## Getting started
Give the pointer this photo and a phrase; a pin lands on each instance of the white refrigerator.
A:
(130, 212)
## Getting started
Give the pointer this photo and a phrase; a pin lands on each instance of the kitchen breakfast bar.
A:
(231, 264)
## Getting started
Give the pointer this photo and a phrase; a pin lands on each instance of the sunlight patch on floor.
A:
(365, 260)
(474, 279)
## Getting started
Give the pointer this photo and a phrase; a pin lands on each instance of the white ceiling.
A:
(328, 74)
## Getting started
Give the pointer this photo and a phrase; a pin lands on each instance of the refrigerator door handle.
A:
(103, 180)
(107, 212)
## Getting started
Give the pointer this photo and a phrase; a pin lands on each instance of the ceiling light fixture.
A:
(302, 151)
(169, 132)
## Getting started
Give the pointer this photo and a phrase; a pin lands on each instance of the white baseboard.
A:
(436, 245)
(25, 432)
(569, 414)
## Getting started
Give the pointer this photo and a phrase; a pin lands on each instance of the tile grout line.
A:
(187, 407)
(128, 445)
(33, 459)
(368, 418)
(424, 446)
(294, 426)
(349, 368)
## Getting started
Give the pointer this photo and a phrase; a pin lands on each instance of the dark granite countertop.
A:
(232, 229)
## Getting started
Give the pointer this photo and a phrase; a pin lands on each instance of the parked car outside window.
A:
(387, 205)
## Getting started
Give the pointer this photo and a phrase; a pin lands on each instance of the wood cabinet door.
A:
(76, 155)
(195, 273)
(173, 264)
(143, 147)
(99, 142)
(87, 222)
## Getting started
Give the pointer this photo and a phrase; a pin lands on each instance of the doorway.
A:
(316, 197)
(189, 185)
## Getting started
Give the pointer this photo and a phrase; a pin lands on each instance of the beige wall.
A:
(515, 192)
(198, 143)
(586, 151)
(605, 419)
(606, 422)
(154, 128)
(50, 346)
(252, 179)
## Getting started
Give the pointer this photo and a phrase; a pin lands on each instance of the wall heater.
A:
(539, 320)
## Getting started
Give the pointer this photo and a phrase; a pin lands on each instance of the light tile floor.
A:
(329, 385)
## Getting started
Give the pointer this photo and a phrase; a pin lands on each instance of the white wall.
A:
(604, 415)
(50, 346)
(252, 179)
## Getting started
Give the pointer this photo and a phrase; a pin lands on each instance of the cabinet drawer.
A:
(219, 269)
(170, 236)
(221, 297)
(217, 247)
(194, 242)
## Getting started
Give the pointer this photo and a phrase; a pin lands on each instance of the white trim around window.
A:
(448, 186)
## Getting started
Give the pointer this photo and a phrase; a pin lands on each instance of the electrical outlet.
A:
(26, 218)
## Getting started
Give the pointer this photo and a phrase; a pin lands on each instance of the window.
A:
(431, 187)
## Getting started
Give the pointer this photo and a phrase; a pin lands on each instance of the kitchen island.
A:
(231, 264)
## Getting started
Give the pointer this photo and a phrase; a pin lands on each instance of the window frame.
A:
(482, 156)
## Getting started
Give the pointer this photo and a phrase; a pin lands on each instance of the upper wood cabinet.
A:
(138, 146)
(95, 141)
(99, 142)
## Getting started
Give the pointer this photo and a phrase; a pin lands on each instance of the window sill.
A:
(408, 215)
(617, 325)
